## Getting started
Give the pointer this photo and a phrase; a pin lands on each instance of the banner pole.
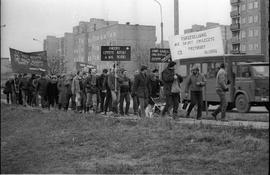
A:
(206, 108)
(115, 79)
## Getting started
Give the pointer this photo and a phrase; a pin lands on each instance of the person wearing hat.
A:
(221, 89)
(141, 88)
(195, 83)
(52, 91)
(171, 87)
(42, 89)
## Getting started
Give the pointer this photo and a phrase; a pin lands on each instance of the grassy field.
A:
(33, 141)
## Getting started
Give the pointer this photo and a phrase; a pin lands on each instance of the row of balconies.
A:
(234, 2)
(234, 14)
(235, 27)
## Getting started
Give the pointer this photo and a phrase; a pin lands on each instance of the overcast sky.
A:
(28, 19)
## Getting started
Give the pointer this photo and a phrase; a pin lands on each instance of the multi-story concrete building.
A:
(68, 43)
(250, 27)
(81, 32)
(140, 38)
(84, 44)
(225, 32)
(61, 48)
(90, 36)
(51, 45)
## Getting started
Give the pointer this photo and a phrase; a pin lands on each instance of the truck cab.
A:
(251, 86)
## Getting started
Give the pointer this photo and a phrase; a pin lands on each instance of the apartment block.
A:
(51, 45)
(140, 38)
(225, 32)
(250, 27)
(61, 48)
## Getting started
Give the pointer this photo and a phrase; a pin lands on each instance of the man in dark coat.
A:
(141, 88)
(31, 94)
(52, 91)
(23, 86)
(92, 91)
(102, 88)
(42, 89)
(15, 89)
(8, 90)
(172, 98)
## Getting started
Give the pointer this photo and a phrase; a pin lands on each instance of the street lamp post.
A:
(161, 23)
(161, 27)
(37, 40)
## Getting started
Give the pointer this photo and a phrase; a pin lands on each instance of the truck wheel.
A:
(242, 103)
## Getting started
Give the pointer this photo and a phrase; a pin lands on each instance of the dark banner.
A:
(32, 62)
(160, 55)
(115, 53)
(82, 65)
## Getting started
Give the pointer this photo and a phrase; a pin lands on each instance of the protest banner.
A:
(84, 66)
(197, 44)
(158, 55)
(115, 53)
(32, 62)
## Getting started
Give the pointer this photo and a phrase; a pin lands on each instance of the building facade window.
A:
(256, 4)
(243, 7)
(243, 47)
(256, 32)
(250, 47)
(250, 33)
(255, 18)
(250, 5)
(234, 8)
(256, 46)
(243, 33)
(243, 20)
(250, 19)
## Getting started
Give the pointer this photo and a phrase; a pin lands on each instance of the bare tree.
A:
(56, 65)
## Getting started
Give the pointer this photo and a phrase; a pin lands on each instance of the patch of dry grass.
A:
(59, 142)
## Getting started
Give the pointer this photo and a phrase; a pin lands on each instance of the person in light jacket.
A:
(76, 90)
(221, 89)
(195, 83)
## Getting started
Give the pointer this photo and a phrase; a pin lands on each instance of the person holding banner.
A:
(195, 83)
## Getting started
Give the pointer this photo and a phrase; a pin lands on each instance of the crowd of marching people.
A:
(88, 92)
